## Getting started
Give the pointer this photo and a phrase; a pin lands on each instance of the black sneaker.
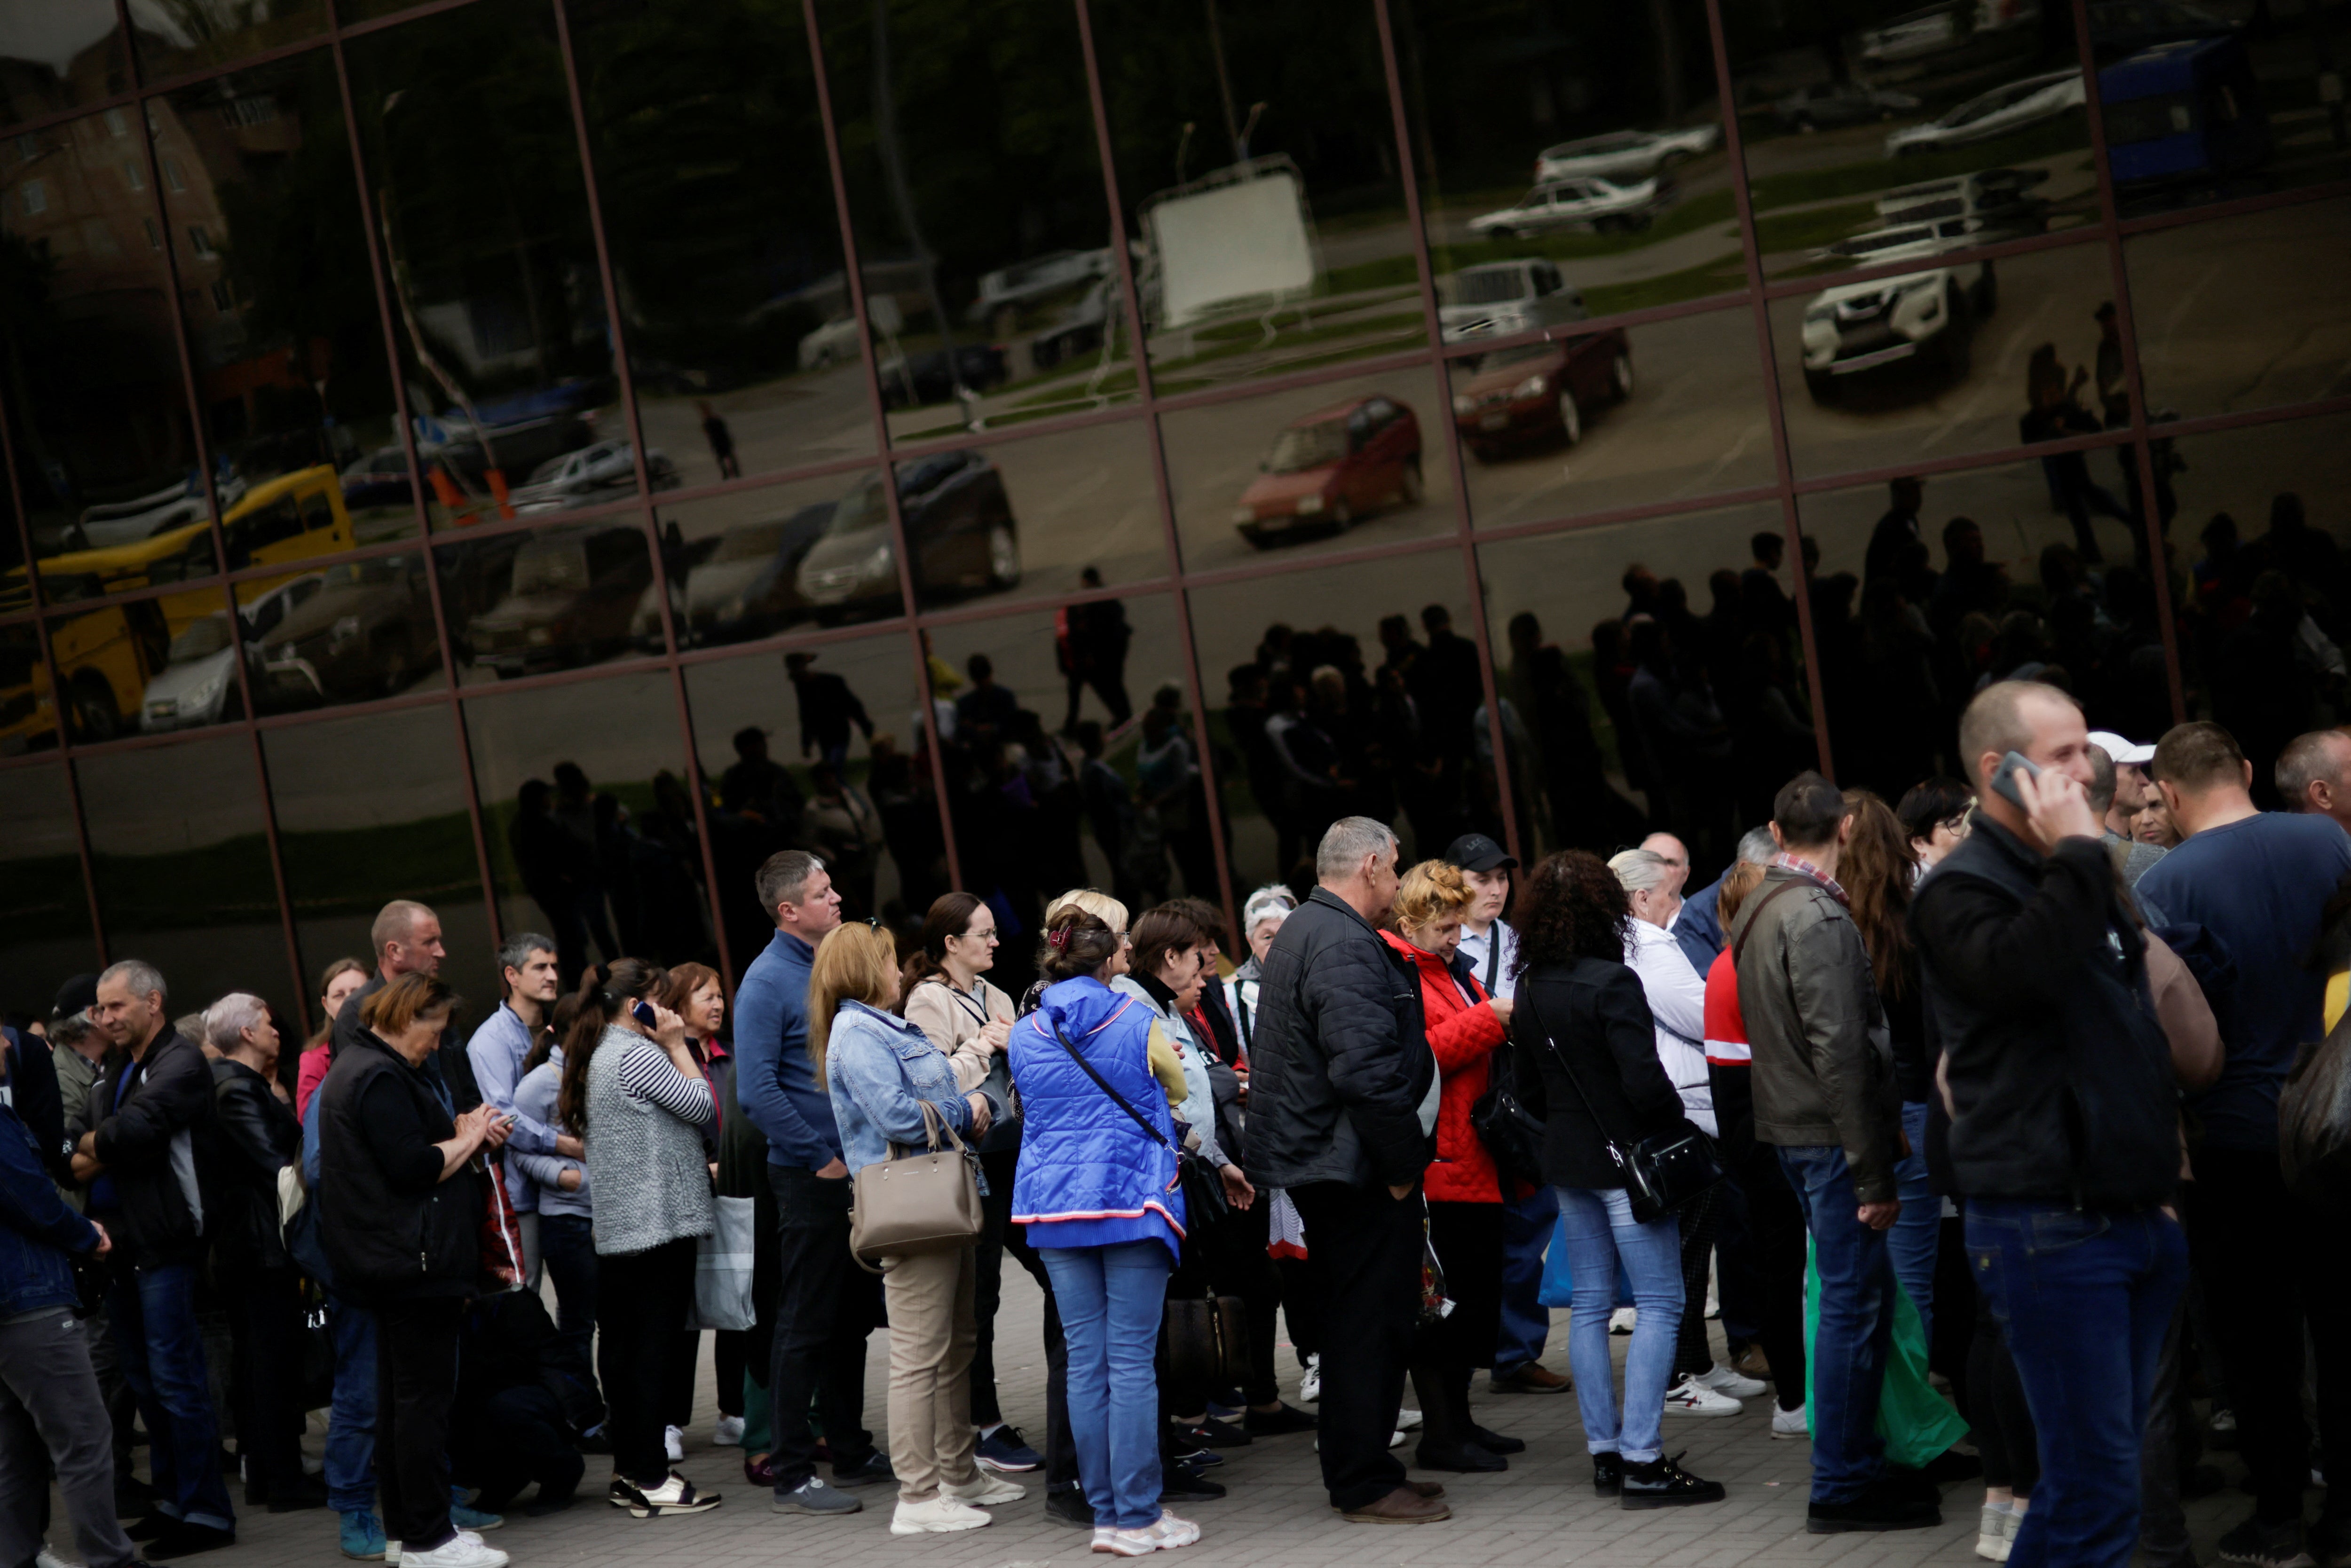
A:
(1210, 1433)
(1177, 1483)
(1663, 1483)
(1494, 1442)
(876, 1469)
(148, 1526)
(1197, 1460)
(1877, 1508)
(2329, 1542)
(1903, 1481)
(1068, 1505)
(2255, 1545)
(1465, 1459)
(1275, 1422)
(185, 1539)
(1608, 1474)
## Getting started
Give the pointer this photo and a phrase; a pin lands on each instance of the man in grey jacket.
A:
(1823, 1095)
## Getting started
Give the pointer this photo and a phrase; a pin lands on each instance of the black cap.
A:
(1475, 851)
(77, 994)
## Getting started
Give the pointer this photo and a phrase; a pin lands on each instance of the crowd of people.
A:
(1965, 1109)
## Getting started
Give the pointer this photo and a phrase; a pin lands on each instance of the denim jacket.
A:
(37, 1229)
(881, 1070)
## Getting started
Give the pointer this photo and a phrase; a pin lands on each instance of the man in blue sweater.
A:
(826, 1305)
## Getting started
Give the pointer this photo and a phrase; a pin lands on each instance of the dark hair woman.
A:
(336, 984)
(1588, 1045)
(1935, 817)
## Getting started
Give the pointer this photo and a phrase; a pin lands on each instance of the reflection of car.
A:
(1999, 194)
(958, 521)
(1078, 330)
(378, 478)
(1503, 297)
(829, 344)
(2183, 111)
(1949, 28)
(1600, 204)
(604, 472)
(1908, 241)
(569, 601)
(913, 380)
(1329, 467)
(197, 684)
(1839, 103)
(748, 587)
(127, 522)
(2122, 26)
(1542, 392)
(367, 633)
(1623, 154)
(1033, 279)
(2010, 107)
(1857, 328)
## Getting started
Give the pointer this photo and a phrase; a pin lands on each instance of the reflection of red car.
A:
(1542, 392)
(1332, 466)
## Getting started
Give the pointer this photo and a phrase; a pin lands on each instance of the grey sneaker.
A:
(813, 1496)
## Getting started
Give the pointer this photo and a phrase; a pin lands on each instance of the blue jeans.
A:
(350, 1422)
(1856, 1324)
(2085, 1298)
(1600, 1232)
(1526, 1225)
(1912, 1240)
(163, 1356)
(1110, 1300)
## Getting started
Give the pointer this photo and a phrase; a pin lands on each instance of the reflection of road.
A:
(821, 417)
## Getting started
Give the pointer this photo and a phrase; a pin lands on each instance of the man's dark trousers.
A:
(1364, 1252)
(825, 1308)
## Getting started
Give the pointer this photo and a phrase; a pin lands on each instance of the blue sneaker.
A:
(362, 1537)
(467, 1517)
(1004, 1451)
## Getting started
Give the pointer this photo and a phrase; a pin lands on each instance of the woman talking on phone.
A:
(634, 1094)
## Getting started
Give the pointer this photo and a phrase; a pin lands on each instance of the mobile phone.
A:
(2003, 777)
(644, 1013)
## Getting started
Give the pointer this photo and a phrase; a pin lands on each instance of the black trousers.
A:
(642, 1300)
(1301, 1309)
(730, 1351)
(265, 1320)
(826, 1307)
(1997, 1417)
(677, 1375)
(1363, 1249)
(415, 1379)
(1239, 1266)
(1468, 1238)
(1775, 1225)
(1693, 1355)
(514, 1437)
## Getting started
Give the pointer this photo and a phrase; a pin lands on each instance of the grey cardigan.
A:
(644, 1157)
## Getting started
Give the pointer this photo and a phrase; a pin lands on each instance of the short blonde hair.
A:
(405, 999)
(854, 963)
(1429, 891)
(1100, 905)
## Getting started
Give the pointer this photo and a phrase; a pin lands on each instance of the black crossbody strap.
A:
(1103, 1085)
(1493, 955)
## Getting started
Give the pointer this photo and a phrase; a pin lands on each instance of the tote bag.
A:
(722, 1269)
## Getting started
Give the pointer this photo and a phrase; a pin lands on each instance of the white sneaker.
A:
(1167, 1533)
(1409, 1420)
(729, 1433)
(1691, 1397)
(1310, 1387)
(45, 1558)
(1731, 1382)
(673, 1440)
(985, 1490)
(939, 1516)
(1793, 1424)
(457, 1552)
(1622, 1320)
(1993, 1532)
(1103, 1535)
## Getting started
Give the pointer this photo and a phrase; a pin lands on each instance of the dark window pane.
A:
(45, 936)
(176, 36)
(524, 604)
(28, 719)
(751, 563)
(1033, 515)
(357, 630)
(56, 54)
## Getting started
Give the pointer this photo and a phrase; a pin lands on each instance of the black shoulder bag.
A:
(1663, 1172)
(1512, 1134)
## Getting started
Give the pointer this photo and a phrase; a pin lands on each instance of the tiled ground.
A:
(1540, 1511)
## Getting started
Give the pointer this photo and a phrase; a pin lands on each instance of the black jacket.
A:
(1597, 1015)
(2061, 1076)
(1340, 1063)
(33, 1089)
(393, 1229)
(253, 1135)
(149, 1146)
(456, 1069)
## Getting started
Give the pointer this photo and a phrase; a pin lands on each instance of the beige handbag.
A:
(916, 1200)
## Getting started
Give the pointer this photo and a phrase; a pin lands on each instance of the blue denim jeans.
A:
(350, 1421)
(1856, 1324)
(163, 1356)
(1600, 1232)
(1914, 1237)
(1110, 1300)
(2085, 1298)
(1525, 1327)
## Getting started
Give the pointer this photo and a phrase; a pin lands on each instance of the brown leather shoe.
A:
(1403, 1506)
(1752, 1363)
(1426, 1488)
(1534, 1377)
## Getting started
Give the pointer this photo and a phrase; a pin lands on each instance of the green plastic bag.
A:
(1915, 1422)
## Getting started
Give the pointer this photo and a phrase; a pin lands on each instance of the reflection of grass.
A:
(41, 900)
(2045, 141)
(1813, 227)
(1722, 274)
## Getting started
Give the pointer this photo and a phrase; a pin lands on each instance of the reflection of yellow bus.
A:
(106, 655)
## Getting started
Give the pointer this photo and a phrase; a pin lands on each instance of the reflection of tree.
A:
(207, 32)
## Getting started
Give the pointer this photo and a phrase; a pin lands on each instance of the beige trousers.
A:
(933, 1332)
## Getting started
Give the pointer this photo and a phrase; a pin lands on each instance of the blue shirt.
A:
(1697, 928)
(775, 1082)
(498, 1052)
(2258, 887)
(536, 1097)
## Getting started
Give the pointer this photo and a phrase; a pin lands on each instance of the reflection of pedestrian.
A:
(828, 708)
(2114, 393)
(1091, 643)
(544, 857)
(2056, 416)
(722, 442)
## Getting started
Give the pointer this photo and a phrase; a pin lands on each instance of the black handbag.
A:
(1662, 1172)
(1512, 1134)
(1208, 1342)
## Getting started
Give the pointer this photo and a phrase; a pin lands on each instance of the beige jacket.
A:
(953, 1021)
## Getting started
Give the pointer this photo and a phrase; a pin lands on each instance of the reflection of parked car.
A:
(1599, 205)
(113, 523)
(1078, 330)
(1857, 328)
(571, 594)
(749, 586)
(1035, 279)
(378, 478)
(2125, 26)
(367, 633)
(2183, 111)
(1542, 392)
(1329, 467)
(829, 344)
(1909, 241)
(1832, 103)
(604, 472)
(197, 684)
(959, 522)
(1624, 155)
(1503, 297)
(2002, 196)
(913, 380)
(2012, 106)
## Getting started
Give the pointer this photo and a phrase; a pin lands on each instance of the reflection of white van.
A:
(1501, 298)
(835, 342)
(1999, 194)
(145, 517)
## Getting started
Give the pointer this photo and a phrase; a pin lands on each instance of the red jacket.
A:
(1463, 1035)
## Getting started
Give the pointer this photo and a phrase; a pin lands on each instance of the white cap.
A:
(2124, 753)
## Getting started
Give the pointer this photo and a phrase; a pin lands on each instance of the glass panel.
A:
(738, 322)
(279, 302)
(827, 754)
(1634, 708)
(182, 868)
(1369, 703)
(1257, 158)
(357, 630)
(1345, 463)
(176, 36)
(105, 450)
(524, 604)
(1585, 421)
(589, 821)
(751, 563)
(498, 302)
(59, 54)
(45, 936)
(148, 667)
(2247, 312)
(28, 719)
(1533, 150)
(1898, 369)
(981, 220)
(354, 838)
(1034, 515)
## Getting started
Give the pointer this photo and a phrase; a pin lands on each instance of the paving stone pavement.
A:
(1540, 1511)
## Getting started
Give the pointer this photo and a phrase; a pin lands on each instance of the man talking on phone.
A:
(2065, 1119)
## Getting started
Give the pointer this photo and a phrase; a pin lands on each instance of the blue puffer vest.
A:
(1084, 1165)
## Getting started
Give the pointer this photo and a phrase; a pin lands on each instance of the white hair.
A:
(1640, 871)
(1272, 903)
(1343, 847)
(143, 979)
(226, 1020)
(1757, 847)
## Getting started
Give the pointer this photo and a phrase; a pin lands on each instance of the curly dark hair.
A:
(1572, 907)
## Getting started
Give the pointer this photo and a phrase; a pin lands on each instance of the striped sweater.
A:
(644, 1145)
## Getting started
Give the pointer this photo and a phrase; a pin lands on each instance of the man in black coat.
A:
(1342, 1100)
(406, 937)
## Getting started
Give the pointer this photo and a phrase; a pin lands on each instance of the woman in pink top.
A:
(342, 978)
